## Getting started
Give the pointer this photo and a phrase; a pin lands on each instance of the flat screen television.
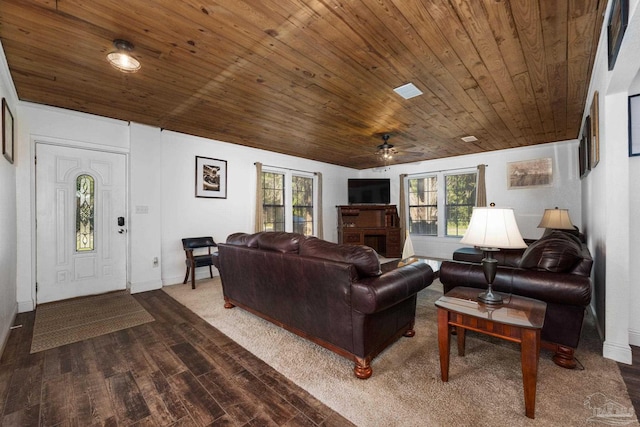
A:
(369, 191)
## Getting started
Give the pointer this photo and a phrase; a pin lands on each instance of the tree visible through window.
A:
(273, 204)
(460, 194)
(302, 188)
(423, 206)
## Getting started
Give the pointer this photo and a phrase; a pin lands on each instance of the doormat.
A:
(65, 322)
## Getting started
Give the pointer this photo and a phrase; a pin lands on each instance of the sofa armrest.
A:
(559, 288)
(374, 294)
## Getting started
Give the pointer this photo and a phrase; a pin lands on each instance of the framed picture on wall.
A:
(530, 173)
(595, 132)
(584, 150)
(634, 125)
(7, 132)
(618, 19)
(211, 178)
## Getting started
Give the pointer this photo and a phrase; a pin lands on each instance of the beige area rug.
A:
(484, 388)
(69, 321)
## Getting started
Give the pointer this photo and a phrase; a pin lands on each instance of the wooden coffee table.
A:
(518, 320)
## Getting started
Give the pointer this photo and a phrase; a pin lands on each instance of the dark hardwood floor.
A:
(176, 371)
(631, 376)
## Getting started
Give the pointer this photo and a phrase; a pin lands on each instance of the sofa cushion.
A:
(557, 253)
(363, 258)
(279, 241)
(239, 239)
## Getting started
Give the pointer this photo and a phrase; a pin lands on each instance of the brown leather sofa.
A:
(334, 295)
(555, 269)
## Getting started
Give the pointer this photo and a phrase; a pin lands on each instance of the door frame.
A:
(33, 214)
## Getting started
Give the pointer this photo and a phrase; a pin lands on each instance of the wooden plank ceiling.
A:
(315, 78)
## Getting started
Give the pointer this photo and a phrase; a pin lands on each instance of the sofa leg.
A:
(410, 333)
(564, 357)
(363, 368)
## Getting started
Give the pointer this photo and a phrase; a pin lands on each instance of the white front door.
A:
(81, 242)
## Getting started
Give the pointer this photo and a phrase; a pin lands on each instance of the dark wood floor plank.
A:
(25, 387)
(169, 397)
(57, 396)
(201, 406)
(127, 399)
(191, 356)
(274, 405)
(91, 404)
(25, 417)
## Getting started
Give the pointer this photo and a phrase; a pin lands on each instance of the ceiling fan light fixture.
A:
(385, 150)
(122, 59)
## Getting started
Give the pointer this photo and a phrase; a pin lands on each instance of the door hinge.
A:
(36, 286)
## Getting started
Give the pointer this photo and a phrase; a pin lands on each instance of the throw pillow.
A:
(557, 254)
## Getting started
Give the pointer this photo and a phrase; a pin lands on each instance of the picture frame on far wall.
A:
(211, 178)
(618, 19)
(634, 125)
(7, 132)
(584, 149)
(530, 173)
(595, 131)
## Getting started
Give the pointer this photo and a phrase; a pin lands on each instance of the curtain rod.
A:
(287, 169)
(444, 170)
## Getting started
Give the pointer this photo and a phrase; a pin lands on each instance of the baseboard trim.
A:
(7, 331)
(634, 337)
(619, 353)
(199, 276)
(25, 306)
(145, 286)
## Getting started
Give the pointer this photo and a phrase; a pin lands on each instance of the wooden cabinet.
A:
(377, 226)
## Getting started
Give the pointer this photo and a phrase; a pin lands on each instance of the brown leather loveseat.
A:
(555, 269)
(333, 295)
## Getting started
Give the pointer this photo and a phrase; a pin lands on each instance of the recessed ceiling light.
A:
(469, 138)
(408, 91)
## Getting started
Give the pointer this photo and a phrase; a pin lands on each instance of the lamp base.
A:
(489, 298)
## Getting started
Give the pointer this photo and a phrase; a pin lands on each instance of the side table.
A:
(518, 320)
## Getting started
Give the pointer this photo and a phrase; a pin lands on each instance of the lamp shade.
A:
(493, 228)
(556, 218)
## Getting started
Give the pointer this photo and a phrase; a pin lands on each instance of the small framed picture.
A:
(7, 132)
(618, 20)
(634, 125)
(530, 173)
(211, 178)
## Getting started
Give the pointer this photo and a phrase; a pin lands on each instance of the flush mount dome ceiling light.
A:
(122, 59)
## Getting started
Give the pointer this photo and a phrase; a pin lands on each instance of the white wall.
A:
(184, 215)
(528, 204)
(8, 236)
(610, 207)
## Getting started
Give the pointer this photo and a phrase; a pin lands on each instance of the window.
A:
(423, 206)
(85, 207)
(288, 202)
(460, 200)
(302, 205)
(430, 193)
(273, 202)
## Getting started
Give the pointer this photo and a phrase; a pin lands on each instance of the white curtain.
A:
(319, 222)
(259, 199)
(402, 208)
(481, 187)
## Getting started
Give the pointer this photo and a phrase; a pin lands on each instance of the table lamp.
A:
(490, 230)
(556, 219)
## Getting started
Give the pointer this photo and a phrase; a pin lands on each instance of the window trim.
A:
(288, 194)
(441, 197)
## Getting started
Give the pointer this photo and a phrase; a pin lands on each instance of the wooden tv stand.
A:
(377, 226)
